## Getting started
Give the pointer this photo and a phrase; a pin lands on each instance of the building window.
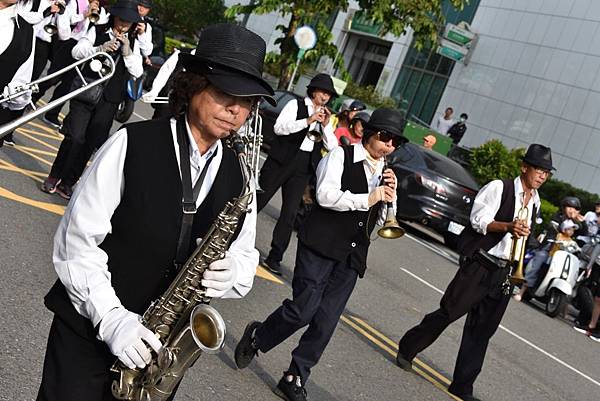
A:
(424, 75)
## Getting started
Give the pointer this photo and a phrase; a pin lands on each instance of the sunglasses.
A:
(385, 136)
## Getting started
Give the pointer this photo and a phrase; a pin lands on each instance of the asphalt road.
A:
(532, 357)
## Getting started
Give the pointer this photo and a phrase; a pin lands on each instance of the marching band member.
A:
(54, 14)
(332, 251)
(17, 49)
(115, 247)
(87, 126)
(479, 288)
(82, 14)
(293, 158)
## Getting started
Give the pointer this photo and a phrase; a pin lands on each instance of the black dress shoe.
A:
(271, 266)
(290, 390)
(246, 349)
(403, 362)
(465, 397)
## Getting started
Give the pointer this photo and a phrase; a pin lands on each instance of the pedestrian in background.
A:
(429, 141)
(445, 121)
(458, 129)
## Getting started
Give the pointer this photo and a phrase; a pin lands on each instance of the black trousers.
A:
(7, 116)
(474, 291)
(76, 367)
(321, 288)
(86, 128)
(292, 179)
(43, 54)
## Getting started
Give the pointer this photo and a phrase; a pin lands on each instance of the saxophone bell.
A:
(208, 328)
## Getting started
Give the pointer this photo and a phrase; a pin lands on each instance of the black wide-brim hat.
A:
(231, 57)
(388, 120)
(323, 82)
(539, 156)
(127, 11)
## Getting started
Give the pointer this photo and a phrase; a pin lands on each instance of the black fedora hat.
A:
(145, 3)
(231, 57)
(324, 82)
(388, 120)
(539, 156)
(126, 10)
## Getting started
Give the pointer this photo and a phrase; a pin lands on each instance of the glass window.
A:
(421, 95)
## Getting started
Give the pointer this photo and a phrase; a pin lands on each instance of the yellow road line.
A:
(389, 341)
(52, 131)
(49, 207)
(33, 138)
(34, 150)
(37, 133)
(40, 159)
(29, 173)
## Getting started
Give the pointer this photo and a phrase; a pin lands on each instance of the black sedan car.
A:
(269, 114)
(433, 190)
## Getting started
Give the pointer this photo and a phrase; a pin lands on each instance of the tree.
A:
(188, 17)
(492, 161)
(395, 16)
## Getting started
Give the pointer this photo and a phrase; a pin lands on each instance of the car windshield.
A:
(418, 157)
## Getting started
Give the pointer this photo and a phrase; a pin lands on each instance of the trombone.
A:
(100, 63)
(518, 245)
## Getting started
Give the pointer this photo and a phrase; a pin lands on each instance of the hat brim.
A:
(330, 90)
(540, 164)
(126, 14)
(230, 81)
(391, 130)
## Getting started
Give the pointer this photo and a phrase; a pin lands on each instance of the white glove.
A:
(125, 49)
(109, 46)
(220, 277)
(126, 337)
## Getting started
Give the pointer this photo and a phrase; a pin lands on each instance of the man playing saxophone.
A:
(503, 212)
(125, 232)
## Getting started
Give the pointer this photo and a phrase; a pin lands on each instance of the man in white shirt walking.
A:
(480, 287)
(293, 158)
(123, 238)
(445, 121)
(352, 192)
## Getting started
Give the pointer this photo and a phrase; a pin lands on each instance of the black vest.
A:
(470, 241)
(284, 147)
(115, 90)
(343, 236)
(146, 224)
(17, 52)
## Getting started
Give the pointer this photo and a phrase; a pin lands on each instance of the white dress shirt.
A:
(82, 266)
(146, 45)
(8, 23)
(443, 125)
(329, 183)
(287, 124)
(85, 48)
(162, 77)
(62, 21)
(82, 24)
(487, 204)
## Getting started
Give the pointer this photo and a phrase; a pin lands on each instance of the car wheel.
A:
(556, 302)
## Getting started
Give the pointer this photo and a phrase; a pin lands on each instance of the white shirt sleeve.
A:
(486, 205)
(146, 45)
(80, 263)
(286, 122)
(63, 23)
(329, 139)
(244, 255)
(85, 47)
(163, 74)
(22, 77)
(329, 185)
(134, 62)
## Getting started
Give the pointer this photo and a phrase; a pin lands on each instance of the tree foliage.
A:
(187, 17)
(395, 16)
(492, 161)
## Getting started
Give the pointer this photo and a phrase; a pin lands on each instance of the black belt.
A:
(490, 262)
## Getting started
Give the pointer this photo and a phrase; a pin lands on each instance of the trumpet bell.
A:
(517, 277)
(94, 17)
(314, 136)
(391, 229)
(50, 29)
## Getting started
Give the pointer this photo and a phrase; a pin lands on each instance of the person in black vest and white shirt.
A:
(87, 126)
(332, 250)
(17, 48)
(480, 288)
(293, 158)
(116, 244)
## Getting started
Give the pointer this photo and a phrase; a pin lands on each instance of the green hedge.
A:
(556, 190)
(172, 43)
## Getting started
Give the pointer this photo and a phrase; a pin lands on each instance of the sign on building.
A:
(458, 43)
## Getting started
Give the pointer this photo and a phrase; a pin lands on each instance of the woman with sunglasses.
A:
(332, 251)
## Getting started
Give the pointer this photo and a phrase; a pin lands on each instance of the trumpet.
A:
(51, 27)
(100, 63)
(94, 16)
(518, 245)
(390, 229)
(316, 135)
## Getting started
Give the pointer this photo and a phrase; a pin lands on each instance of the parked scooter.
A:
(586, 286)
(561, 278)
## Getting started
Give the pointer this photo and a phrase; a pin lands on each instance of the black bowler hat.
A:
(145, 3)
(231, 57)
(388, 120)
(126, 10)
(323, 82)
(539, 156)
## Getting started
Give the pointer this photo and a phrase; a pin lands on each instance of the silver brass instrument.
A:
(316, 135)
(390, 229)
(100, 63)
(94, 16)
(181, 318)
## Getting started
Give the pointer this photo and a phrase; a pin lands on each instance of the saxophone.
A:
(182, 318)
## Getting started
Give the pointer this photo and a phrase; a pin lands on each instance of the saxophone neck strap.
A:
(190, 193)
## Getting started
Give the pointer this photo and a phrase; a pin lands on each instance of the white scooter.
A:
(556, 287)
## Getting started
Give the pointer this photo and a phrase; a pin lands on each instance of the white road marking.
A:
(512, 333)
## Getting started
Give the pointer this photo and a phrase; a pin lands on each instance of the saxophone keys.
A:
(162, 330)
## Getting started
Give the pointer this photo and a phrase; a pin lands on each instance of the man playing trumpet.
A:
(480, 288)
